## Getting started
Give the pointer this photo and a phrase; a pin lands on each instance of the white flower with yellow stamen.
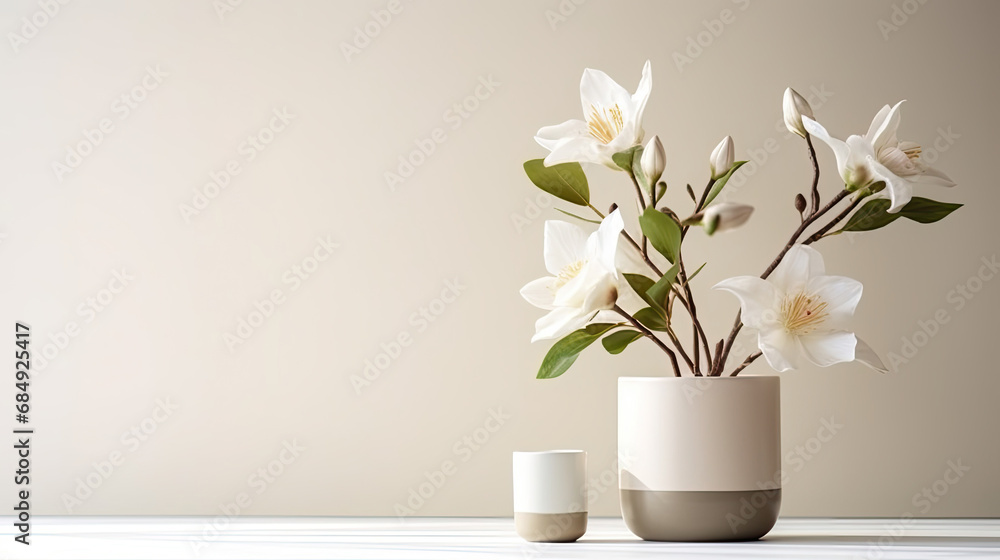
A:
(613, 121)
(800, 311)
(880, 156)
(584, 277)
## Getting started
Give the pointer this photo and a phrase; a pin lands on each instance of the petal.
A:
(598, 91)
(780, 349)
(841, 295)
(758, 299)
(839, 147)
(882, 131)
(630, 135)
(864, 354)
(603, 295)
(602, 245)
(550, 136)
(826, 349)
(565, 244)
(932, 176)
(900, 190)
(800, 264)
(559, 322)
(877, 121)
(641, 96)
(541, 292)
(896, 161)
(580, 149)
(576, 292)
(609, 316)
(857, 172)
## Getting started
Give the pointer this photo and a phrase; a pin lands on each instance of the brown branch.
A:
(649, 334)
(749, 360)
(815, 185)
(680, 350)
(840, 217)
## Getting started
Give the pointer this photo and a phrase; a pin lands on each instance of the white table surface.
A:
(470, 538)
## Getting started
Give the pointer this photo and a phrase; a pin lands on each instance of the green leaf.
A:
(651, 319)
(631, 161)
(616, 342)
(565, 180)
(658, 292)
(872, 215)
(572, 215)
(690, 278)
(718, 185)
(662, 231)
(661, 189)
(641, 285)
(564, 352)
(625, 159)
(927, 211)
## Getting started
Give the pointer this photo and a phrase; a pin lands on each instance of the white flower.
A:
(613, 121)
(724, 216)
(653, 160)
(584, 279)
(880, 156)
(794, 108)
(722, 158)
(799, 311)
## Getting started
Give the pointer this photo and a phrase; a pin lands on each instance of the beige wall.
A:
(160, 339)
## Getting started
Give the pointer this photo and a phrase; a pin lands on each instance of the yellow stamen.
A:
(605, 124)
(568, 273)
(913, 153)
(801, 314)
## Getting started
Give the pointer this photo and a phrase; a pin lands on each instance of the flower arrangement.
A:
(620, 287)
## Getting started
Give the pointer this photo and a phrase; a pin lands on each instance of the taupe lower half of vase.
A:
(700, 516)
(550, 527)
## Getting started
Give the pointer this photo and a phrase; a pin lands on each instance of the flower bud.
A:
(722, 158)
(795, 107)
(800, 203)
(725, 216)
(653, 160)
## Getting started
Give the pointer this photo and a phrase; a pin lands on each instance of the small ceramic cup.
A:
(550, 495)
